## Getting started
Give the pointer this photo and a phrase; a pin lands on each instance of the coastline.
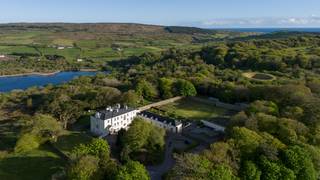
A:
(44, 74)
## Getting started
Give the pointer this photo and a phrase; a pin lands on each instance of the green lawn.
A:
(193, 110)
(68, 142)
(41, 163)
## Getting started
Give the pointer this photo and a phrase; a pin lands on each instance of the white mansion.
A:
(113, 119)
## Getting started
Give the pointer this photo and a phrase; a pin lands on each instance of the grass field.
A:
(193, 110)
(41, 163)
(17, 49)
(259, 76)
(68, 53)
(68, 142)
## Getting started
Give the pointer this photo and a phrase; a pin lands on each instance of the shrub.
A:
(26, 143)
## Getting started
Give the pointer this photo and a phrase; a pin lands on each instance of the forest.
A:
(276, 137)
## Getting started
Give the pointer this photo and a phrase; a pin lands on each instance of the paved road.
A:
(157, 171)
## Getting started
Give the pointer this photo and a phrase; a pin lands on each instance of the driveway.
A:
(157, 171)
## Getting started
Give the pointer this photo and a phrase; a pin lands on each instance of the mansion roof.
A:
(159, 118)
(111, 112)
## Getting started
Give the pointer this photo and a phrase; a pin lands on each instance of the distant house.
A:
(169, 124)
(112, 119)
(2, 56)
(60, 48)
(79, 60)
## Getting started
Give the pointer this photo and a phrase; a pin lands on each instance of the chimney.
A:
(98, 115)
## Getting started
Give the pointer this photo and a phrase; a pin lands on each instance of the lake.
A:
(23, 82)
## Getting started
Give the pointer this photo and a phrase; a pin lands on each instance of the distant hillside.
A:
(111, 28)
(94, 27)
(189, 30)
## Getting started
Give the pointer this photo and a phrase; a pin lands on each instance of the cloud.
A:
(312, 21)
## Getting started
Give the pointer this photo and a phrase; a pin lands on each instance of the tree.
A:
(132, 170)
(293, 112)
(266, 107)
(223, 153)
(271, 170)
(29, 103)
(137, 135)
(65, 109)
(142, 136)
(84, 168)
(215, 55)
(156, 139)
(26, 143)
(302, 61)
(222, 172)
(97, 147)
(45, 127)
(166, 88)
(246, 139)
(191, 166)
(107, 96)
(298, 159)
(274, 170)
(185, 88)
(146, 89)
(250, 171)
(130, 98)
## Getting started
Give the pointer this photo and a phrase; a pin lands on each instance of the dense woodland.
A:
(277, 137)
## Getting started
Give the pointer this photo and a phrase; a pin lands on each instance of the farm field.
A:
(95, 44)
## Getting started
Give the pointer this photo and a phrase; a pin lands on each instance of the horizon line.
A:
(150, 24)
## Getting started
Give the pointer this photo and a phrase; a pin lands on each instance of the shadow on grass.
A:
(67, 143)
(37, 164)
(9, 129)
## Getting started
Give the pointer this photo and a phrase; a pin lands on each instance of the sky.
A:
(200, 13)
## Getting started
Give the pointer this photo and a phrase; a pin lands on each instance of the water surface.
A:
(271, 30)
(23, 82)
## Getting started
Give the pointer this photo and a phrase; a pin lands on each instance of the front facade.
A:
(111, 120)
